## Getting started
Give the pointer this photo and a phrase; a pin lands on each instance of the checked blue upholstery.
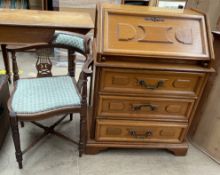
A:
(67, 40)
(44, 94)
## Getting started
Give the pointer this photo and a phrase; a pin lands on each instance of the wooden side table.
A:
(4, 119)
(38, 27)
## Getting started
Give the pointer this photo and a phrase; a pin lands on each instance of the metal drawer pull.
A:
(150, 86)
(147, 134)
(137, 107)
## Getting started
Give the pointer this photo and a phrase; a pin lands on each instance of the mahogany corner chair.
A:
(40, 98)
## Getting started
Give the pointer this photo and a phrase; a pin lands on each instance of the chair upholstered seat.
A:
(44, 94)
(66, 40)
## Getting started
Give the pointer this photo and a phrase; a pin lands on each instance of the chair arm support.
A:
(68, 33)
(87, 39)
(86, 66)
(85, 73)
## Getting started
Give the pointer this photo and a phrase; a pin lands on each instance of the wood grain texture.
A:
(143, 33)
(114, 130)
(34, 18)
(144, 82)
(144, 108)
(8, 34)
(32, 26)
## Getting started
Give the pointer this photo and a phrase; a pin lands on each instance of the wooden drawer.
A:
(139, 131)
(126, 81)
(138, 107)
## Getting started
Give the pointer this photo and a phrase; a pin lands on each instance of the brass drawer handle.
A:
(137, 107)
(150, 86)
(103, 59)
(147, 134)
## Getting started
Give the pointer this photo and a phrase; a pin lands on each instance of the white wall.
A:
(211, 7)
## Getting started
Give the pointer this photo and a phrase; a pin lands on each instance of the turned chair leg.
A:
(22, 124)
(16, 140)
(81, 138)
(82, 141)
(71, 117)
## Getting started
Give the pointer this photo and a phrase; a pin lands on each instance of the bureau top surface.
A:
(35, 18)
(153, 32)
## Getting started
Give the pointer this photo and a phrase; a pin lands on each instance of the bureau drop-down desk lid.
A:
(153, 32)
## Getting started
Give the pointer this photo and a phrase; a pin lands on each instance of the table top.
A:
(49, 19)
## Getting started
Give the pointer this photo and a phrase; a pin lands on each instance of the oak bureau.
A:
(151, 66)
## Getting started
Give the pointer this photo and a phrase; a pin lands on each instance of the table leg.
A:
(6, 61)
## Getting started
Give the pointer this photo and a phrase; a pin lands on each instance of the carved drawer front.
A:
(137, 107)
(150, 82)
(155, 34)
(139, 131)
